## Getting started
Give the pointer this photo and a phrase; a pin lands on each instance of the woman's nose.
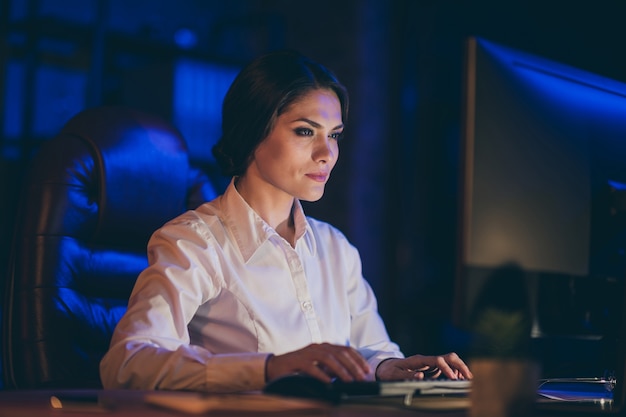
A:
(325, 150)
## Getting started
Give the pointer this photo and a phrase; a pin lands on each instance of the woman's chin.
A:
(312, 197)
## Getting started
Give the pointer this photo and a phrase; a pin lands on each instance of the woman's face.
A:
(298, 155)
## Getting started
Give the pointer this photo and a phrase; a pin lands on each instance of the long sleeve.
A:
(150, 348)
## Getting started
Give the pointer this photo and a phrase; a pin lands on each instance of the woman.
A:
(245, 288)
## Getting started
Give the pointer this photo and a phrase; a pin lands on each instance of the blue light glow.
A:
(199, 89)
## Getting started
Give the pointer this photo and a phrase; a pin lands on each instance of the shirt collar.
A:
(251, 231)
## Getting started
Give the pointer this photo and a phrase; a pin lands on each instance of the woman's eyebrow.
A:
(315, 124)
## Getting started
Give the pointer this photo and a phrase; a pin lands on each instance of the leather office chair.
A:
(91, 200)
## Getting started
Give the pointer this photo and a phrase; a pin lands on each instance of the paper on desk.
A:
(573, 389)
(198, 403)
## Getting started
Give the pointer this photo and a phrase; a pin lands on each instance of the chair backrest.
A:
(92, 197)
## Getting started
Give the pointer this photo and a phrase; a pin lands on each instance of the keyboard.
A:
(399, 388)
(306, 386)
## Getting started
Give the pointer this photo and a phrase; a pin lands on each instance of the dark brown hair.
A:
(262, 91)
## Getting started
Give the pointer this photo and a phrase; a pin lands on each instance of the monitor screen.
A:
(543, 187)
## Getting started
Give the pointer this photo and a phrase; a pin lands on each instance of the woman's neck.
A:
(275, 207)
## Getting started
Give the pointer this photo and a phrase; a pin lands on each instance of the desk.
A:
(132, 404)
(129, 403)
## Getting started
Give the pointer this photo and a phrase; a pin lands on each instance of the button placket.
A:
(302, 292)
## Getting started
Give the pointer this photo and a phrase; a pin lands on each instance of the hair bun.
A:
(224, 160)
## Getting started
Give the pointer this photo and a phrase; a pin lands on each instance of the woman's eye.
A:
(336, 135)
(303, 131)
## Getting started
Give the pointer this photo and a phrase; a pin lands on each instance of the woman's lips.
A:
(318, 176)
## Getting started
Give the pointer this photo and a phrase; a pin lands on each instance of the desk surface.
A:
(32, 403)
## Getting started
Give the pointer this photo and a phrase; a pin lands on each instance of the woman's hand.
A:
(323, 361)
(423, 367)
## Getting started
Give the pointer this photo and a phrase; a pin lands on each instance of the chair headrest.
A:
(125, 174)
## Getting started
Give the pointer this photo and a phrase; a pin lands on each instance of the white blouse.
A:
(224, 290)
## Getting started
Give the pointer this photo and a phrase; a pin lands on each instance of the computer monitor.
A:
(544, 188)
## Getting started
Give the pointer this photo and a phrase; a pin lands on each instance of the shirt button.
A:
(307, 306)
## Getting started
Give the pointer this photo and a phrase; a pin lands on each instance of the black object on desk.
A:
(303, 386)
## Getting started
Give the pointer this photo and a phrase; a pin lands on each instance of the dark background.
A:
(394, 192)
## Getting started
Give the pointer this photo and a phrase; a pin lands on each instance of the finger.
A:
(465, 371)
(446, 369)
(315, 369)
(453, 367)
(461, 369)
(431, 372)
(426, 372)
(355, 363)
(401, 374)
(345, 363)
